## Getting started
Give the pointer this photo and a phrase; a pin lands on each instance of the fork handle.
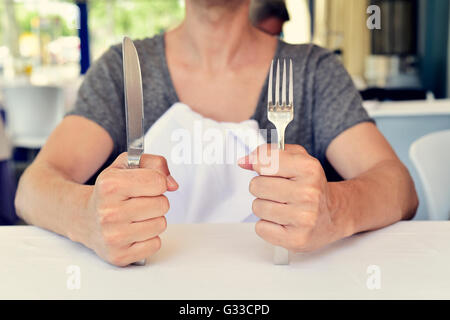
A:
(280, 134)
(280, 255)
(281, 143)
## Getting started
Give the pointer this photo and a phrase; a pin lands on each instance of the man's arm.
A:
(378, 190)
(301, 211)
(120, 218)
(50, 192)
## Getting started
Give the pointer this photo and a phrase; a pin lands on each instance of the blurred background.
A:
(401, 68)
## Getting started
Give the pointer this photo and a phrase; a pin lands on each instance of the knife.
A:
(134, 106)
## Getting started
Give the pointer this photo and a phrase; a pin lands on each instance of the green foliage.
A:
(136, 18)
(110, 20)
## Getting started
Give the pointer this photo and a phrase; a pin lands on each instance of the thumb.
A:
(148, 161)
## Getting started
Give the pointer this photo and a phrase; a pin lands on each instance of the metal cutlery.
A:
(134, 106)
(280, 113)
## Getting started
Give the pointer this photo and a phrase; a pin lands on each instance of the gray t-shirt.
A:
(326, 101)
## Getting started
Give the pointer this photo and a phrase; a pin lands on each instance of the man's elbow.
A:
(412, 200)
(414, 204)
(21, 200)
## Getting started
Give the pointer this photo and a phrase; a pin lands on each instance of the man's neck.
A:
(216, 36)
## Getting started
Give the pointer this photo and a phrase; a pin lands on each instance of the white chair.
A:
(431, 157)
(32, 113)
(402, 123)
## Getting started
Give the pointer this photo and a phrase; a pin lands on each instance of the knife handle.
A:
(133, 163)
(280, 256)
(142, 262)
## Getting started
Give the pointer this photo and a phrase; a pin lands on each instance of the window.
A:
(110, 20)
(39, 38)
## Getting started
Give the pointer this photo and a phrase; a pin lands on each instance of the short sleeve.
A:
(337, 103)
(101, 97)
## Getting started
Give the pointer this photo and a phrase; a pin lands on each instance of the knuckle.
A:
(313, 218)
(160, 162)
(253, 186)
(152, 246)
(301, 242)
(117, 259)
(162, 224)
(313, 166)
(158, 225)
(312, 195)
(107, 185)
(164, 204)
(309, 220)
(262, 207)
(106, 214)
(156, 243)
(297, 243)
(160, 181)
(256, 206)
(123, 155)
(259, 229)
(297, 148)
(111, 239)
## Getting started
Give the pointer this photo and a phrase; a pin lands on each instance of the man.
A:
(216, 62)
(269, 15)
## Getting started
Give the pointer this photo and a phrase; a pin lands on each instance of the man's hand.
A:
(126, 210)
(293, 201)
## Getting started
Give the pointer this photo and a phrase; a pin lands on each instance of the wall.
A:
(433, 45)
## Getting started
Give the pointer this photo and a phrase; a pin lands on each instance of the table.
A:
(229, 261)
(440, 107)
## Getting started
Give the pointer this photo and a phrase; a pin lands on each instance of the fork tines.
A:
(280, 105)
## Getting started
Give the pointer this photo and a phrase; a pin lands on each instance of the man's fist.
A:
(293, 201)
(126, 210)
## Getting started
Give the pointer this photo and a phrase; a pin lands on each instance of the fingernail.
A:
(171, 183)
(246, 162)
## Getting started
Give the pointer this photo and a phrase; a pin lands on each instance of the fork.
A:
(280, 114)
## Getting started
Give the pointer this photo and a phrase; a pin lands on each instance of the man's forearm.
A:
(381, 196)
(46, 198)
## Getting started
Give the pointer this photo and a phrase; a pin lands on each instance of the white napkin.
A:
(202, 157)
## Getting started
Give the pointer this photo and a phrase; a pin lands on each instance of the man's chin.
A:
(220, 3)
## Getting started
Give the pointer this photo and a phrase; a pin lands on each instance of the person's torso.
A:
(160, 93)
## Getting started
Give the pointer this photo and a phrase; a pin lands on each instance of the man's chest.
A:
(230, 98)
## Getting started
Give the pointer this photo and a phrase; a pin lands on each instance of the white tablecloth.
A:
(229, 261)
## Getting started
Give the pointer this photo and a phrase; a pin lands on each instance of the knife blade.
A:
(134, 103)
(134, 106)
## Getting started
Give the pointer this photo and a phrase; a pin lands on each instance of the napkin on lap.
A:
(202, 157)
